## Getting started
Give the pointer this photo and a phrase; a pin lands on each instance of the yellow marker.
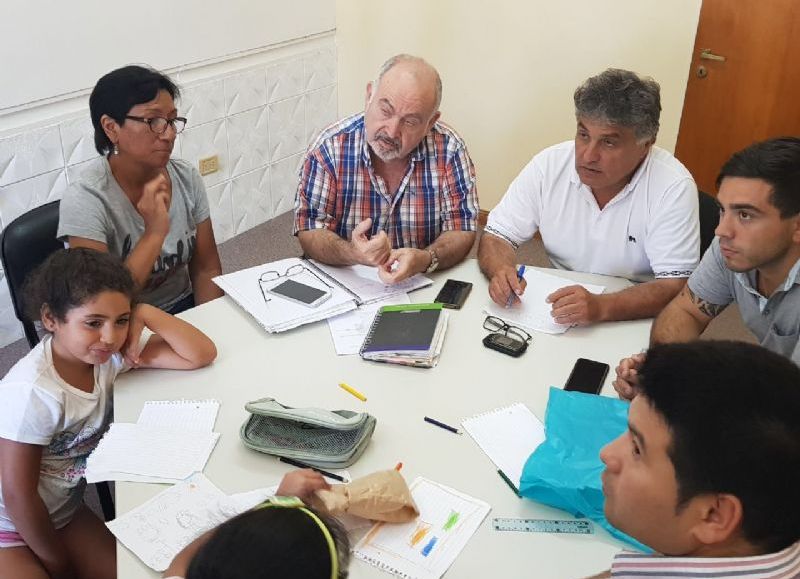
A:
(353, 391)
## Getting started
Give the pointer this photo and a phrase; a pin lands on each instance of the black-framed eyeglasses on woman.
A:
(159, 124)
(494, 324)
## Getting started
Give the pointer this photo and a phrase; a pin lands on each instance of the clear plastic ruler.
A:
(543, 525)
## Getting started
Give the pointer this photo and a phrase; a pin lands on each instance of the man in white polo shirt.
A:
(609, 202)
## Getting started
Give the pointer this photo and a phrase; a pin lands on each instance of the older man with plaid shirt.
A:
(391, 187)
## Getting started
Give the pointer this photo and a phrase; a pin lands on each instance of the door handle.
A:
(706, 54)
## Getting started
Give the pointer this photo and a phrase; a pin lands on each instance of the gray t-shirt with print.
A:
(775, 321)
(96, 208)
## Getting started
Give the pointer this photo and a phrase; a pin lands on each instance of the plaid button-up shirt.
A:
(339, 188)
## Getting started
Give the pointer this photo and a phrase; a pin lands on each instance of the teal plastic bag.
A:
(564, 471)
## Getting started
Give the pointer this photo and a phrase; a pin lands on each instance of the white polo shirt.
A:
(649, 229)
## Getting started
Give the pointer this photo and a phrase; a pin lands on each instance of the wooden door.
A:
(751, 95)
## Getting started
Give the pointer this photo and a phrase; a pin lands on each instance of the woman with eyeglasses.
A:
(139, 203)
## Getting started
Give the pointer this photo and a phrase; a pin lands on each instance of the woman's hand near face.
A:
(153, 205)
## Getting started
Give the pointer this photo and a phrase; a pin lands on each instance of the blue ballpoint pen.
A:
(520, 277)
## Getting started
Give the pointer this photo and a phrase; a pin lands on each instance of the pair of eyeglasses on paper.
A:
(289, 285)
(494, 324)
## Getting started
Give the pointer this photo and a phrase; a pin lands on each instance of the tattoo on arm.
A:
(709, 309)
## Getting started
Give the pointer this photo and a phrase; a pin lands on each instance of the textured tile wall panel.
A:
(29, 154)
(245, 91)
(202, 103)
(250, 197)
(219, 201)
(320, 111)
(10, 328)
(204, 141)
(248, 140)
(23, 196)
(285, 79)
(77, 140)
(284, 183)
(287, 127)
(320, 69)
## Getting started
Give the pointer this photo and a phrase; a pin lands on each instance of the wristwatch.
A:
(434, 261)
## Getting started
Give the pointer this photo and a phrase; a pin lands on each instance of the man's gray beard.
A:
(392, 155)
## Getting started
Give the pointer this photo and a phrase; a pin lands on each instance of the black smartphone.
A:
(587, 376)
(453, 294)
(300, 293)
(505, 344)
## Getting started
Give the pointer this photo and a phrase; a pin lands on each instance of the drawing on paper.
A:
(426, 550)
(451, 521)
(419, 533)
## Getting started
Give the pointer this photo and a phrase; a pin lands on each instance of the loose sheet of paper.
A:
(508, 436)
(182, 415)
(533, 312)
(157, 530)
(349, 330)
(163, 455)
(426, 547)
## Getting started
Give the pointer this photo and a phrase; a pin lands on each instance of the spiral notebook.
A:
(426, 547)
(507, 435)
(410, 334)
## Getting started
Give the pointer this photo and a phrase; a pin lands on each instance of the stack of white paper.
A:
(533, 312)
(278, 314)
(132, 452)
(171, 441)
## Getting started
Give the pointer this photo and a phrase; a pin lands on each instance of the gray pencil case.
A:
(321, 438)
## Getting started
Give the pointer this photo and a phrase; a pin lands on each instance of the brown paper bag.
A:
(380, 496)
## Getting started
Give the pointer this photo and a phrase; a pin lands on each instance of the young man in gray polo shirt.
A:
(754, 260)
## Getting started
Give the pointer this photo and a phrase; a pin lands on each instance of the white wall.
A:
(53, 48)
(510, 67)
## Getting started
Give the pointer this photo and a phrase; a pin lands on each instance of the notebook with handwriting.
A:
(507, 435)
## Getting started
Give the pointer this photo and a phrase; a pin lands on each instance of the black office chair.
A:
(709, 219)
(24, 244)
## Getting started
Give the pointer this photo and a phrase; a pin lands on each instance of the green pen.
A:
(508, 482)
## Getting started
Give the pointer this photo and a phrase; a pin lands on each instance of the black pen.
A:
(299, 464)
(442, 425)
(508, 482)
